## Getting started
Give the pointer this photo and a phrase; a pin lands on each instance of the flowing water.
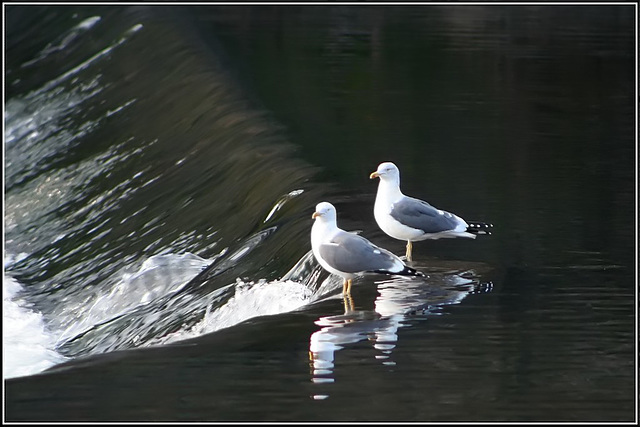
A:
(161, 165)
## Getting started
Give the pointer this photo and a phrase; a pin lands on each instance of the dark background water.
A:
(191, 130)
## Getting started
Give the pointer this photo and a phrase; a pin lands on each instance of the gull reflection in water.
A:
(399, 299)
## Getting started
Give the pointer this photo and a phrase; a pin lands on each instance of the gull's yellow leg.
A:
(348, 303)
(346, 296)
(346, 287)
(409, 247)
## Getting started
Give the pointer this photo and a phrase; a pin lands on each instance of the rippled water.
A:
(162, 165)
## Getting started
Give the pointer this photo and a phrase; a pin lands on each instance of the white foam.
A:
(158, 276)
(251, 299)
(27, 346)
(258, 299)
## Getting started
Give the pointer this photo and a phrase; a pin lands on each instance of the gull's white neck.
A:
(388, 193)
(322, 230)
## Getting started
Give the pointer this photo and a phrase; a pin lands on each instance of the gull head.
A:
(325, 211)
(386, 171)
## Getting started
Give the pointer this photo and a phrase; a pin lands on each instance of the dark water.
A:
(202, 137)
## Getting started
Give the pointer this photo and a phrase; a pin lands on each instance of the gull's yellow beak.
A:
(374, 175)
(315, 215)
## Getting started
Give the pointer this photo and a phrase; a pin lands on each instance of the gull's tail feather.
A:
(477, 227)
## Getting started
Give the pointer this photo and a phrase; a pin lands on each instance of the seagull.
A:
(347, 254)
(405, 218)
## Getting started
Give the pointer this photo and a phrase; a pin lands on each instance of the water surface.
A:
(162, 165)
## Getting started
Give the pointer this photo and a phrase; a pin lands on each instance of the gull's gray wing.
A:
(421, 215)
(351, 253)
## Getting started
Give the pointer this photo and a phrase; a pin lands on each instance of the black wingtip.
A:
(476, 227)
(406, 271)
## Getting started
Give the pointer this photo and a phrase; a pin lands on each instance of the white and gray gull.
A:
(347, 254)
(406, 218)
